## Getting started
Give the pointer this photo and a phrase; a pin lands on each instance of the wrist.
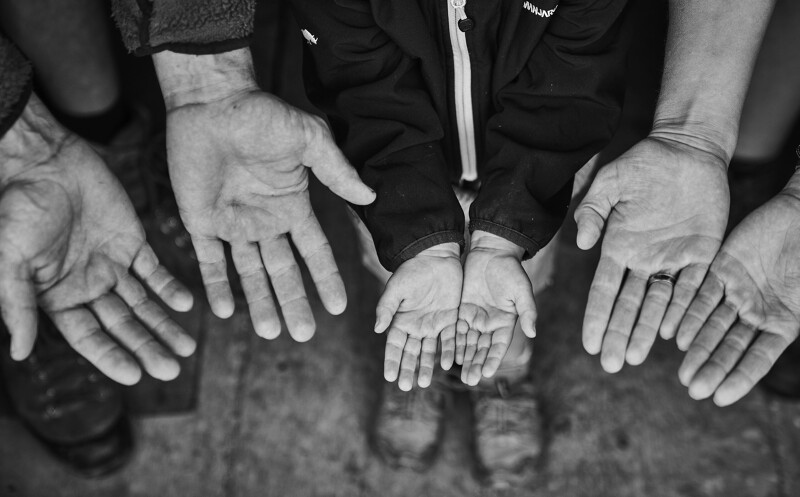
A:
(194, 79)
(443, 250)
(707, 132)
(34, 138)
(483, 240)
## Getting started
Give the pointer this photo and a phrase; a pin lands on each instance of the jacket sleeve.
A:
(379, 104)
(184, 26)
(560, 110)
(16, 75)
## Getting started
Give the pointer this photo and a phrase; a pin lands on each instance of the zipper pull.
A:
(464, 22)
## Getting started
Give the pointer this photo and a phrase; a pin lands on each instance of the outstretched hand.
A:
(496, 292)
(664, 205)
(748, 309)
(238, 161)
(69, 240)
(420, 304)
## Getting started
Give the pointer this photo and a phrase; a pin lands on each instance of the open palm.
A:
(496, 293)
(664, 205)
(418, 305)
(748, 309)
(239, 168)
(69, 238)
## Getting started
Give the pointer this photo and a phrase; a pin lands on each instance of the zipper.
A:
(458, 24)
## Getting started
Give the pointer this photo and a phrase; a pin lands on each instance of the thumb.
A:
(18, 308)
(593, 211)
(525, 305)
(386, 309)
(332, 168)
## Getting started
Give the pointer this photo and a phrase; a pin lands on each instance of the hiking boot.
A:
(508, 430)
(137, 155)
(409, 425)
(70, 406)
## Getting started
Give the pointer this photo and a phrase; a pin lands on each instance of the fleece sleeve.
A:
(379, 102)
(16, 75)
(560, 110)
(184, 26)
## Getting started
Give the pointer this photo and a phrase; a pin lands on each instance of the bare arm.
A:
(711, 50)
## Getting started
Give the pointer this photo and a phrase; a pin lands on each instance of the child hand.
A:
(420, 302)
(496, 292)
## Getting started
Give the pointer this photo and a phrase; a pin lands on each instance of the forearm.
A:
(188, 79)
(711, 50)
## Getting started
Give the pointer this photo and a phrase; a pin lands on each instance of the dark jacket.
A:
(16, 81)
(184, 26)
(546, 90)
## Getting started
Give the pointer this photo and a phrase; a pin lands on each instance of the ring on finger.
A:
(661, 277)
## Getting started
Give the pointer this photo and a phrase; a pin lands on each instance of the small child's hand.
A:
(496, 292)
(420, 302)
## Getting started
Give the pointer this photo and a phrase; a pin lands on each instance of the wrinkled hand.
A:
(496, 293)
(239, 168)
(666, 206)
(748, 309)
(68, 238)
(419, 304)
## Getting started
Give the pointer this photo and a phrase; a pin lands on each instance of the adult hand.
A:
(748, 309)
(69, 239)
(664, 204)
(238, 161)
(496, 293)
(419, 304)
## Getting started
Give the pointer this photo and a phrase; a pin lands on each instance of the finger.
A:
(408, 364)
(525, 305)
(709, 336)
(214, 271)
(469, 354)
(626, 310)
(501, 340)
(253, 277)
(757, 361)
(427, 360)
(646, 330)
(83, 333)
(704, 303)
(395, 342)
(714, 371)
(331, 167)
(118, 322)
(685, 289)
(466, 316)
(157, 278)
(316, 252)
(602, 294)
(592, 213)
(476, 368)
(18, 308)
(387, 306)
(448, 338)
(288, 284)
(154, 317)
